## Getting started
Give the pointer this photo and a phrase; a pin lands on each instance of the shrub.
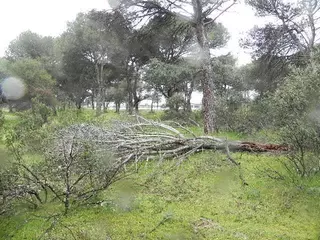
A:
(303, 136)
(295, 109)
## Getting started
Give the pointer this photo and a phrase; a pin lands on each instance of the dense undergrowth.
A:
(202, 198)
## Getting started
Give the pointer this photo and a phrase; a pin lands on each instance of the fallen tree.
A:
(144, 139)
(84, 159)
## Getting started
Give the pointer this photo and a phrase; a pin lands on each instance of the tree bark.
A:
(208, 100)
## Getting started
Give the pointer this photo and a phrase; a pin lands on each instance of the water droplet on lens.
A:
(13, 88)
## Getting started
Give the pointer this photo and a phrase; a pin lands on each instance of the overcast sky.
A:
(50, 17)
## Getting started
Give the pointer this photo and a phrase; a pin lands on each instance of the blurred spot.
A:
(195, 55)
(125, 199)
(13, 88)
(315, 114)
(4, 159)
(114, 3)
(224, 181)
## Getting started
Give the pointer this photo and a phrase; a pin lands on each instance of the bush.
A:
(295, 110)
(177, 113)
(243, 117)
(71, 169)
(41, 110)
(175, 102)
(78, 168)
(303, 136)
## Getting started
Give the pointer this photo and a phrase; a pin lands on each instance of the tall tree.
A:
(171, 79)
(98, 37)
(289, 39)
(295, 26)
(167, 44)
(76, 72)
(203, 13)
(30, 45)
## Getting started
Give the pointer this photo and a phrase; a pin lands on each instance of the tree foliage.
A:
(38, 81)
(30, 45)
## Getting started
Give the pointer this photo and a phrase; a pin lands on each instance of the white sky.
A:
(45, 17)
(49, 18)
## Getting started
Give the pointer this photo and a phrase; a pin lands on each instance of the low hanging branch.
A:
(144, 140)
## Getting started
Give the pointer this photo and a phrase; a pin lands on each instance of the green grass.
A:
(202, 198)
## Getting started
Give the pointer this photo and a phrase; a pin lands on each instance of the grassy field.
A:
(202, 198)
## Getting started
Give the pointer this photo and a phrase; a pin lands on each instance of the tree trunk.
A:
(105, 107)
(104, 100)
(99, 102)
(136, 101)
(136, 106)
(117, 107)
(151, 105)
(78, 104)
(156, 139)
(136, 98)
(208, 101)
(130, 95)
(99, 98)
(92, 99)
(188, 105)
(188, 95)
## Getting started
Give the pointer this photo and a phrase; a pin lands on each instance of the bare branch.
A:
(222, 12)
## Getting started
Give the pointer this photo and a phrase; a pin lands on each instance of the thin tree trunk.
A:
(151, 105)
(92, 99)
(105, 107)
(136, 106)
(104, 100)
(78, 104)
(188, 95)
(99, 97)
(136, 98)
(117, 107)
(130, 96)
